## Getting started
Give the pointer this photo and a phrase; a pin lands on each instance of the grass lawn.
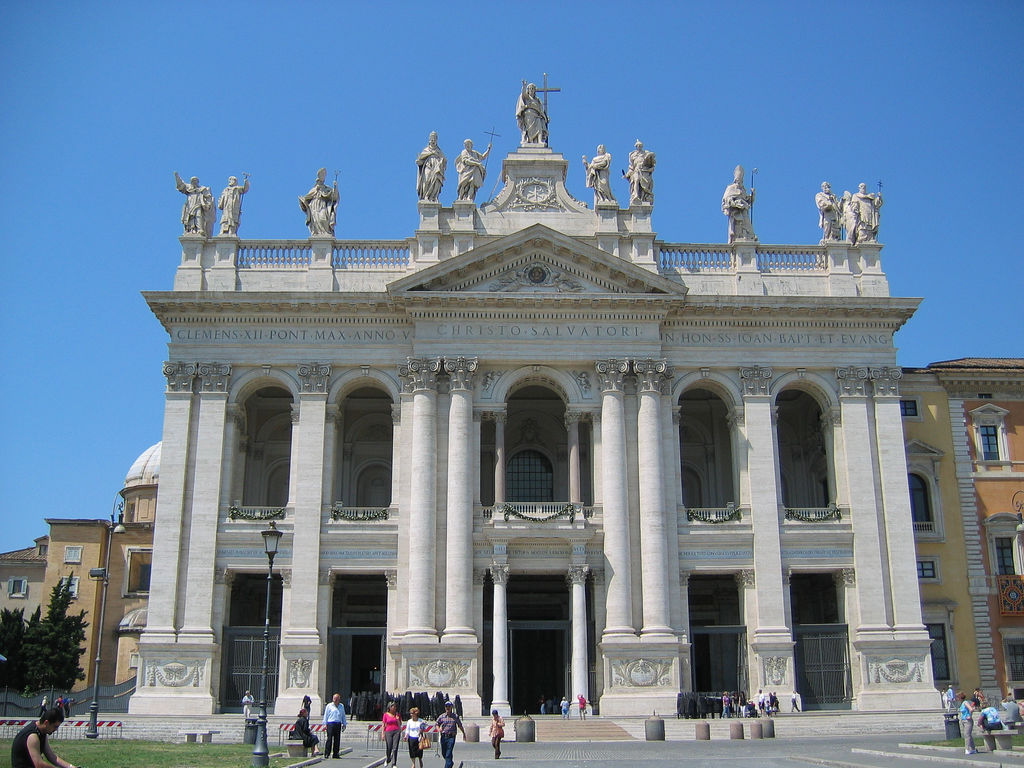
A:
(1018, 741)
(123, 753)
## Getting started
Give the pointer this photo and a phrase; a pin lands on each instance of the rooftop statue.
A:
(230, 203)
(829, 214)
(598, 171)
(320, 205)
(430, 167)
(641, 175)
(197, 213)
(736, 204)
(866, 206)
(471, 169)
(532, 116)
(849, 216)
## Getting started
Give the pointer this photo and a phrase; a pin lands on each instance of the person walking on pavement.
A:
(414, 728)
(497, 732)
(583, 706)
(391, 734)
(967, 722)
(334, 719)
(446, 725)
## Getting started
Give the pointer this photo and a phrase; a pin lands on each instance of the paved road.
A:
(843, 752)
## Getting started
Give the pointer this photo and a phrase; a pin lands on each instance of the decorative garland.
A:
(239, 513)
(832, 512)
(705, 516)
(358, 514)
(569, 510)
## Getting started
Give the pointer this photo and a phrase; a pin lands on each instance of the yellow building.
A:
(22, 572)
(944, 533)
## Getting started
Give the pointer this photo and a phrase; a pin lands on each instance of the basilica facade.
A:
(534, 449)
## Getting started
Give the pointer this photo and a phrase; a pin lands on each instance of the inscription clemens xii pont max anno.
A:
(524, 331)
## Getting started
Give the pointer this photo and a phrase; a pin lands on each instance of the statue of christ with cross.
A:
(532, 114)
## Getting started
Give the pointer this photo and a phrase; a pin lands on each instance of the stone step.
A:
(591, 729)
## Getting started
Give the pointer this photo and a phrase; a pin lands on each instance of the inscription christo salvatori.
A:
(568, 332)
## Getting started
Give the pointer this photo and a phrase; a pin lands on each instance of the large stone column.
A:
(422, 377)
(300, 637)
(500, 417)
(619, 606)
(499, 641)
(653, 531)
(577, 578)
(459, 529)
(772, 642)
(572, 424)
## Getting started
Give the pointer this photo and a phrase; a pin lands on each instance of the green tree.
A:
(53, 645)
(12, 639)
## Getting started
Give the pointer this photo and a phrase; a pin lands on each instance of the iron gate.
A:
(243, 665)
(823, 666)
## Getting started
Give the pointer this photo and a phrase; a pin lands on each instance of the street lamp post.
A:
(117, 513)
(261, 752)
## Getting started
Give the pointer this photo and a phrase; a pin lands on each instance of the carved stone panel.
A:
(439, 674)
(882, 671)
(173, 674)
(641, 673)
(774, 668)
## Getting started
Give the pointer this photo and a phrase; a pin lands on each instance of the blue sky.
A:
(101, 102)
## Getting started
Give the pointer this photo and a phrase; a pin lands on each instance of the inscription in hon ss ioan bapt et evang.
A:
(765, 338)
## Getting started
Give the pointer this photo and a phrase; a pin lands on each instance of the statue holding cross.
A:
(532, 113)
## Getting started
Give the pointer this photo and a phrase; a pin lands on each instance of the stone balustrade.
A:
(813, 514)
(537, 511)
(714, 515)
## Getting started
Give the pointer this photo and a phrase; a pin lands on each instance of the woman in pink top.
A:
(391, 734)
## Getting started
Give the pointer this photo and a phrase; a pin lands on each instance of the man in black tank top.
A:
(31, 748)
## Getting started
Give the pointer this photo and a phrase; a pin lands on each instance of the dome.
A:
(146, 469)
(134, 620)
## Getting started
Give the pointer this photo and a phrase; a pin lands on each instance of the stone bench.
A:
(1001, 739)
(202, 737)
(295, 749)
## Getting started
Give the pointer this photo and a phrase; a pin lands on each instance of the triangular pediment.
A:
(537, 260)
(920, 448)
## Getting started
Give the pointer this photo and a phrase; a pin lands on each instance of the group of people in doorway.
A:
(990, 717)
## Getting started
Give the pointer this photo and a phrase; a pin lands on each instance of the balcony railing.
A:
(359, 514)
(813, 514)
(238, 512)
(1011, 595)
(924, 526)
(714, 515)
(538, 511)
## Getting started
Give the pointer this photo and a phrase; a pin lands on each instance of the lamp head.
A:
(271, 539)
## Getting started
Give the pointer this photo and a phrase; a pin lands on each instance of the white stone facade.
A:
(589, 443)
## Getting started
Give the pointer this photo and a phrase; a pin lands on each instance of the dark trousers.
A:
(333, 739)
(391, 741)
(447, 747)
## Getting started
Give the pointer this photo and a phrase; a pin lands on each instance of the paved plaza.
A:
(843, 752)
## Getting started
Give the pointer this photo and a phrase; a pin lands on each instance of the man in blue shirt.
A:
(334, 719)
(446, 724)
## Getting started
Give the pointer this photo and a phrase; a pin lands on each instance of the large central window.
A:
(530, 477)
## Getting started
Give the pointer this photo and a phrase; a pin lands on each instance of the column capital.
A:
(391, 578)
(420, 373)
(460, 372)
(296, 412)
(214, 377)
(831, 418)
(499, 573)
(478, 576)
(577, 574)
(852, 381)
(684, 577)
(572, 417)
(180, 375)
(313, 377)
(734, 416)
(755, 379)
(334, 415)
(611, 374)
(846, 577)
(651, 374)
(498, 417)
(745, 578)
(886, 381)
(396, 413)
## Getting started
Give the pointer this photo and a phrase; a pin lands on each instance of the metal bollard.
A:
(735, 730)
(703, 731)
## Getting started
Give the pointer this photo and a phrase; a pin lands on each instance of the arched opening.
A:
(365, 449)
(705, 450)
(530, 477)
(920, 502)
(803, 454)
(268, 447)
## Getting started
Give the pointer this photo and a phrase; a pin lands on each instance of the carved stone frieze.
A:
(314, 377)
(179, 376)
(460, 372)
(439, 674)
(213, 377)
(298, 672)
(774, 668)
(641, 673)
(611, 374)
(755, 379)
(535, 276)
(852, 380)
(419, 373)
(535, 193)
(650, 374)
(894, 670)
(173, 674)
(886, 381)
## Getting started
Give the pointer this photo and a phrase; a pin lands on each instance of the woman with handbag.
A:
(497, 732)
(415, 733)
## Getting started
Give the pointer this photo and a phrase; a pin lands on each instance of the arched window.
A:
(530, 477)
(920, 505)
